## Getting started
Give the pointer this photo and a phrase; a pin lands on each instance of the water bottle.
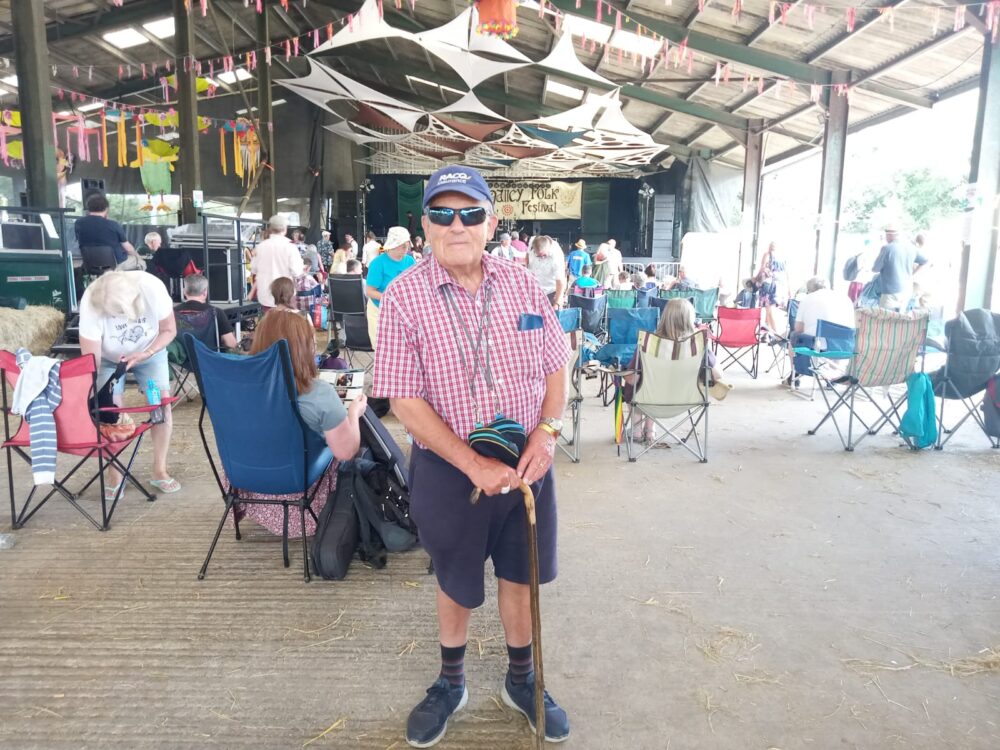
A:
(153, 398)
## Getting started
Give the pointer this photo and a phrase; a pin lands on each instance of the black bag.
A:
(384, 509)
(336, 531)
(105, 397)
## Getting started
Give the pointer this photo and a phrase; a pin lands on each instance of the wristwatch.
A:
(551, 425)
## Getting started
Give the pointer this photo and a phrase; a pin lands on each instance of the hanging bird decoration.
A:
(497, 18)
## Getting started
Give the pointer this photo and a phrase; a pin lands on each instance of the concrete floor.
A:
(785, 595)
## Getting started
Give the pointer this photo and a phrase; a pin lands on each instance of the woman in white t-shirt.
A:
(129, 316)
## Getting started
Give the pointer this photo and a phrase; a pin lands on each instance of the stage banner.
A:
(538, 201)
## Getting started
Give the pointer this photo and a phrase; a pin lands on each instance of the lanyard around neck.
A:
(479, 346)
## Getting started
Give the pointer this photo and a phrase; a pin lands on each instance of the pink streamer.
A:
(600, 10)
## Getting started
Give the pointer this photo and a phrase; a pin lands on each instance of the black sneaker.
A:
(429, 719)
(521, 697)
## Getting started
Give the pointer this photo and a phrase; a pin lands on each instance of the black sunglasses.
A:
(470, 217)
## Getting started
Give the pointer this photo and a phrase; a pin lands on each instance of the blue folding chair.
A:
(817, 354)
(591, 312)
(569, 441)
(624, 327)
(289, 459)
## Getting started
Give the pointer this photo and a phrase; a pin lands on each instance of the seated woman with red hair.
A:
(321, 410)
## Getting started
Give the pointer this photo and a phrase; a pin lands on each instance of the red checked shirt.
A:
(418, 349)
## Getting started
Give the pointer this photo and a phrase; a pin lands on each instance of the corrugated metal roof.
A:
(907, 56)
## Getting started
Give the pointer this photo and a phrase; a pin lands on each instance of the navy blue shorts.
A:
(460, 536)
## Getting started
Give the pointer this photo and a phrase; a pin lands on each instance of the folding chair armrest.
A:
(146, 409)
(937, 343)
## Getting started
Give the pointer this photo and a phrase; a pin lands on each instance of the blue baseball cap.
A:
(457, 178)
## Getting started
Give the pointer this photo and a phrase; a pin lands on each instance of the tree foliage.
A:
(914, 197)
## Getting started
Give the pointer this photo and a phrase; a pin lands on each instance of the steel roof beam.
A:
(707, 44)
(95, 23)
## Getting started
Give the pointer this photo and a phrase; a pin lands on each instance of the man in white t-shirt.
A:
(370, 249)
(822, 303)
(547, 264)
(274, 258)
(614, 256)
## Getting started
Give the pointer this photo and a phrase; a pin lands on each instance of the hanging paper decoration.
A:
(237, 160)
(104, 138)
(122, 142)
(222, 150)
(497, 18)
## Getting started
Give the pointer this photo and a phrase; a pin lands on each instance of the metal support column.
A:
(979, 248)
(265, 126)
(753, 145)
(187, 110)
(832, 177)
(35, 96)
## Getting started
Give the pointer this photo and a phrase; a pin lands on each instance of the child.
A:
(748, 296)
(586, 279)
(307, 289)
(624, 281)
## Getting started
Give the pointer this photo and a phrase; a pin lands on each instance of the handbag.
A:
(115, 426)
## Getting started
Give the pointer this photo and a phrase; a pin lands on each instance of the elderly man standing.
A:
(547, 264)
(465, 338)
(896, 264)
(274, 258)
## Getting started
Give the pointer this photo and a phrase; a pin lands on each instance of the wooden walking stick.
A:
(536, 614)
(534, 586)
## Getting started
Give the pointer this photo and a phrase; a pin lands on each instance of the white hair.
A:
(815, 284)
(151, 236)
(117, 293)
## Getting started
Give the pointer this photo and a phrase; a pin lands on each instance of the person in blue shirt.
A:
(586, 280)
(383, 269)
(578, 259)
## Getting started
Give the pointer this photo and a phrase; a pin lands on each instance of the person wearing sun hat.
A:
(577, 259)
(474, 363)
(383, 269)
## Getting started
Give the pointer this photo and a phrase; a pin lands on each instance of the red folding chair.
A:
(739, 336)
(77, 434)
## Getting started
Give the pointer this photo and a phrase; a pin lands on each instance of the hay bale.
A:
(36, 327)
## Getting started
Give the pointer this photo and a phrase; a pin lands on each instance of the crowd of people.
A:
(437, 305)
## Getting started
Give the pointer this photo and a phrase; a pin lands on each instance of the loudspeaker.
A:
(89, 186)
(347, 204)
(225, 274)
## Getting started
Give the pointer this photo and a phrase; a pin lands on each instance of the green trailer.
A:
(39, 276)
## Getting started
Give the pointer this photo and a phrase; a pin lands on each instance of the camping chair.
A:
(779, 345)
(204, 326)
(592, 311)
(624, 327)
(347, 297)
(886, 348)
(264, 449)
(973, 357)
(621, 299)
(96, 259)
(670, 389)
(706, 301)
(739, 336)
(825, 352)
(76, 421)
(569, 319)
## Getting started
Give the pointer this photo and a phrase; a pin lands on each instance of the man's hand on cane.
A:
(537, 456)
(493, 477)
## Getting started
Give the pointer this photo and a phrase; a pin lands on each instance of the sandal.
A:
(111, 492)
(167, 486)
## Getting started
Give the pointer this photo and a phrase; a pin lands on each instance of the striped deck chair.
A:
(887, 345)
(571, 322)
(670, 393)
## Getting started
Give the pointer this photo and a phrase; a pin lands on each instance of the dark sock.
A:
(453, 664)
(521, 665)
